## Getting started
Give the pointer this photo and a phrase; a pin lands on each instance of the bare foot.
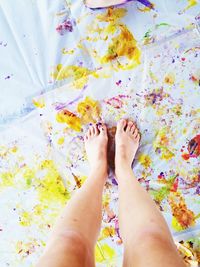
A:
(127, 142)
(96, 140)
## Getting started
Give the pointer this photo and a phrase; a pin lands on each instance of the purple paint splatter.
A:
(119, 82)
(3, 44)
(8, 77)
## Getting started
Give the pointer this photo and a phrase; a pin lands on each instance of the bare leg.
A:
(75, 234)
(147, 239)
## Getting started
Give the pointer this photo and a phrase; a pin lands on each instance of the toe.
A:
(128, 128)
(96, 131)
(138, 137)
(133, 129)
(91, 131)
(135, 133)
(87, 135)
(121, 125)
(102, 128)
(85, 138)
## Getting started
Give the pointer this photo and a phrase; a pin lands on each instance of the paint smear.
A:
(80, 75)
(193, 148)
(117, 101)
(169, 186)
(183, 217)
(191, 3)
(155, 97)
(123, 45)
(123, 51)
(170, 78)
(104, 252)
(112, 15)
(39, 103)
(145, 160)
(161, 145)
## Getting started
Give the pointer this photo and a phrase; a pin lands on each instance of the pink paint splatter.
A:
(66, 26)
(116, 101)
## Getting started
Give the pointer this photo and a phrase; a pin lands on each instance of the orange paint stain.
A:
(184, 216)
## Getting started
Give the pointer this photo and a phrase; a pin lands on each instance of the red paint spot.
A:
(194, 79)
(183, 58)
(174, 186)
(185, 156)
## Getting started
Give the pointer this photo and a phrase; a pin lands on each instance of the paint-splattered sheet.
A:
(64, 66)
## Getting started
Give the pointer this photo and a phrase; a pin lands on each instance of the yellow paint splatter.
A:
(177, 110)
(29, 174)
(104, 252)
(170, 78)
(106, 200)
(27, 248)
(89, 110)
(176, 225)
(14, 149)
(166, 154)
(107, 232)
(50, 186)
(191, 3)
(61, 140)
(112, 15)
(145, 160)
(161, 145)
(73, 121)
(80, 75)
(67, 52)
(144, 9)
(7, 179)
(25, 218)
(39, 103)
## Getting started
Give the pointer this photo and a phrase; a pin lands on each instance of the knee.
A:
(155, 239)
(73, 242)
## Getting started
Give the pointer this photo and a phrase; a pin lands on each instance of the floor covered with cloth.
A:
(64, 66)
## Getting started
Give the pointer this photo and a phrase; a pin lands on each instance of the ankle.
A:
(121, 167)
(101, 167)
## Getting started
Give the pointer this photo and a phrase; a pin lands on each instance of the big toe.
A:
(121, 125)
